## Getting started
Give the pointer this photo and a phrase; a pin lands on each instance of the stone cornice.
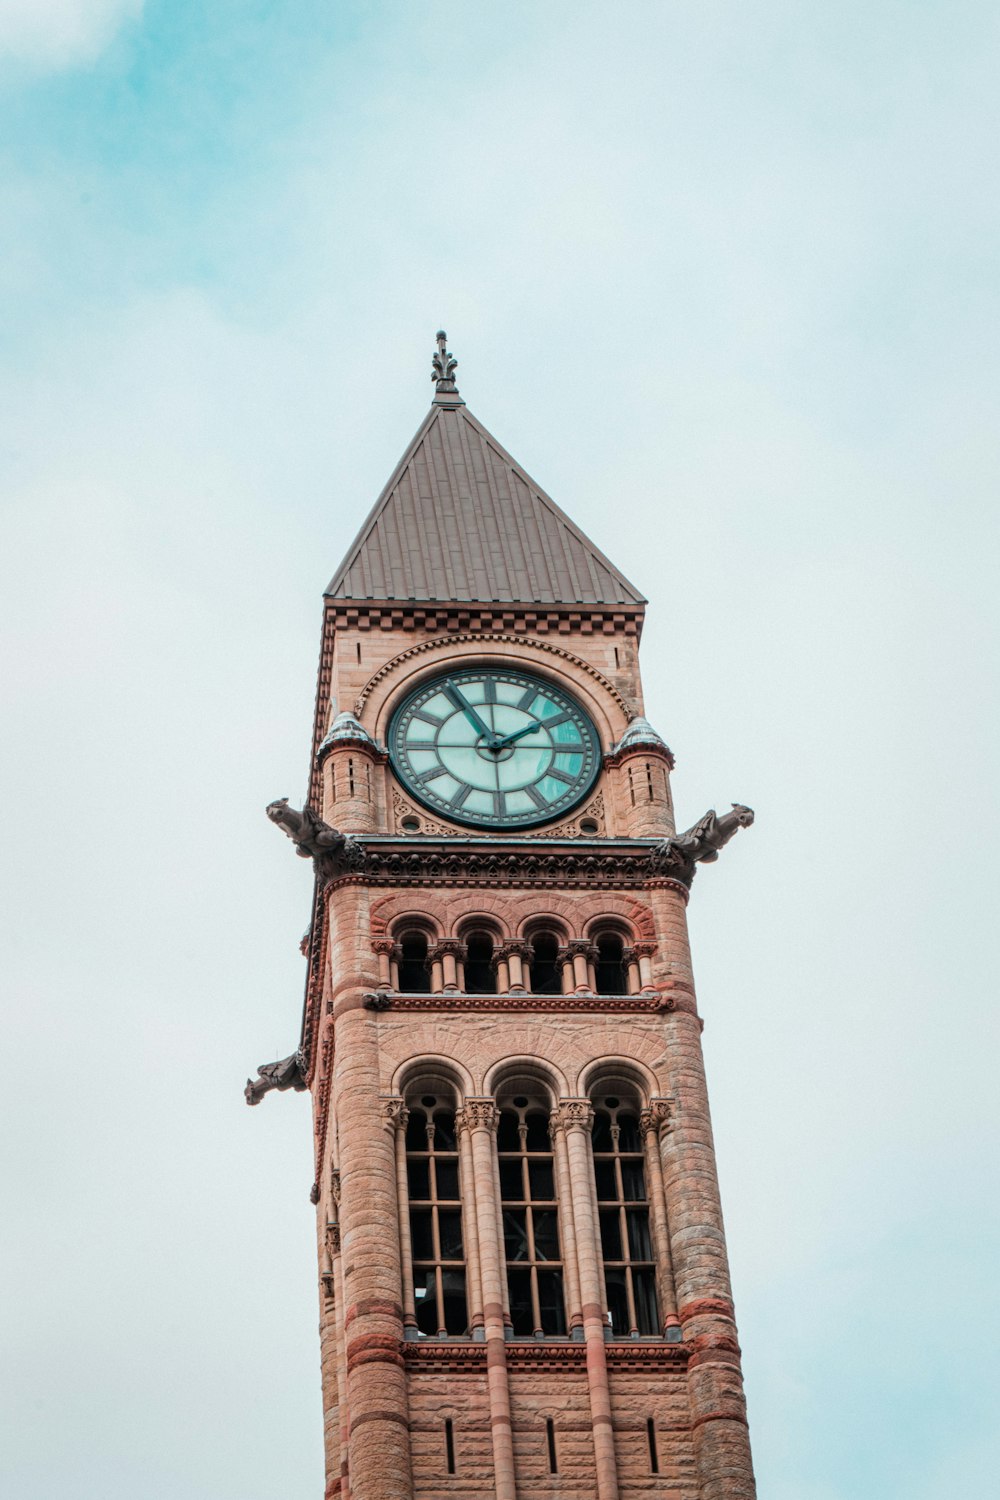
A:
(655, 1002)
(547, 1355)
(599, 864)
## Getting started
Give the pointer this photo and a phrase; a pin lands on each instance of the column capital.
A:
(394, 1113)
(584, 946)
(574, 1114)
(517, 946)
(478, 1114)
(658, 1116)
(644, 947)
(335, 1184)
(454, 946)
(386, 945)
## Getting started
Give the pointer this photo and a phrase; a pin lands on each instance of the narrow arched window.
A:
(626, 1245)
(530, 1221)
(546, 974)
(611, 974)
(437, 1249)
(414, 969)
(480, 975)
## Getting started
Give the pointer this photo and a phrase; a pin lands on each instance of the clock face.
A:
(494, 748)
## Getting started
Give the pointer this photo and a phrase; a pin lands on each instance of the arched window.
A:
(611, 973)
(530, 1220)
(480, 975)
(414, 969)
(435, 1218)
(620, 1175)
(546, 971)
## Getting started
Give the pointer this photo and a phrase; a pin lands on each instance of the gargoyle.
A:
(700, 844)
(314, 839)
(289, 1073)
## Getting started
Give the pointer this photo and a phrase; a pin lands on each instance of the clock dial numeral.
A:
(527, 699)
(536, 796)
(421, 713)
(432, 774)
(460, 796)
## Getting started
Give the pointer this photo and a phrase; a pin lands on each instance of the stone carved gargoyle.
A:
(331, 851)
(679, 855)
(289, 1073)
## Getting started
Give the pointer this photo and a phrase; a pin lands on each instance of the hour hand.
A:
(460, 701)
(508, 739)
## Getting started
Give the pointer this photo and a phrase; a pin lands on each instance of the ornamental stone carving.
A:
(574, 1114)
(288, 1073)
(478, 1114)
(679, 855)
(658, 1116)
(394, 1113)
(332, 852)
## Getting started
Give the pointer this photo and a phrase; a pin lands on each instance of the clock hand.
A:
(508, 739)
(460, 701)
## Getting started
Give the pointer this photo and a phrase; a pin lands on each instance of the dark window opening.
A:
(530, 1224)
(654, 1458)
(436, 1244)
(350, 776)
(449, 1444)
(480, 975)
(649, 782)
(550, 1435)
(612, 976)
(546, 976)
(414, 969)
(626, 1243)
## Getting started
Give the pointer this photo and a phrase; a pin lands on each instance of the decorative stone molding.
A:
(490, 862)
(487, 638)
(333, 1237)
(386, 945)
(569, 828)
(335, 1184)
(540, 1005)
(478, 1114)
(394, 1113)
(574, 1114)
(547, 1356)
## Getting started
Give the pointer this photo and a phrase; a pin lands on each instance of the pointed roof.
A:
(461, 522)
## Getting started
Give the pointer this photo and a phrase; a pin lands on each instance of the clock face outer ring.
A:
(571, 750)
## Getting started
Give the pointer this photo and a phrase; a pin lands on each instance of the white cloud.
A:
(61, 33)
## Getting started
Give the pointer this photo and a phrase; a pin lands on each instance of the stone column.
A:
(379, 1446)
(516, 952)
(565, 962)
(385, 948)
(398, 1114)
(644, 950)
(470, 1228)
(580, 950)
(633, 979)
(567, 1224)
(480, 1116)
(654, 1120)
(577, 1117)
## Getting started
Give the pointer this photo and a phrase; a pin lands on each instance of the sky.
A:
(723, 278)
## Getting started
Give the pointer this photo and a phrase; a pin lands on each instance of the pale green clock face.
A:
(494, 748)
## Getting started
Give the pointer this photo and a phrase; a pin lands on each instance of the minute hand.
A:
(460, 701)
(508, 739)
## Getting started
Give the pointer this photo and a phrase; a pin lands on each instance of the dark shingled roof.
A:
(461, 522)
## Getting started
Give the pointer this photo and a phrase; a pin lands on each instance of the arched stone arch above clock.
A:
(609, 708)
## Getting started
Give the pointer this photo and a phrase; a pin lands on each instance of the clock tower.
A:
(524, 1290)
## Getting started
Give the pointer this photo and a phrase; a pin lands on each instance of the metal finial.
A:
(443, 367)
